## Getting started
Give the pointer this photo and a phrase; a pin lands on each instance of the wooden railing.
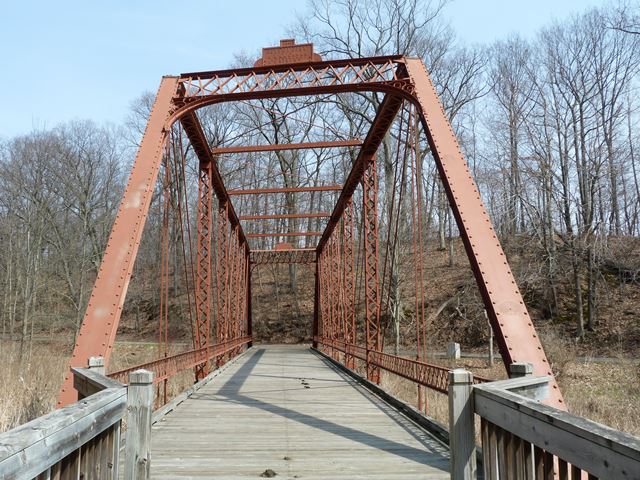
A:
(83, 440)
(524, 439)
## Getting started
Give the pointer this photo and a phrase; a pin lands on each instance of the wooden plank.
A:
(140, 397)
(462, 425)
(576, 473)
(529, 463)
(502, 438)
(493, 456)
(486, 451)
(284, 408)
(88, 381)
(434, 428)
(30, 449)
(563, 470)
(117, 429)
(539, 462)
(178, 399)
(548, 466)
(600, 450)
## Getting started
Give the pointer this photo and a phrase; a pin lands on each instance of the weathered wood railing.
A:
(83, 440)
(524, 439)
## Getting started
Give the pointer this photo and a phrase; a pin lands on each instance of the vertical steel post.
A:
(339, 299)
(203, 267)
(324, 311)
(232, 314)
(371, 284)
(222, 271)
(348, 281)
(249, 309)
(333, 292)
(316, 304)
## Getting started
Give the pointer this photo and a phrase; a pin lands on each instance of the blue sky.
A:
(67, 59)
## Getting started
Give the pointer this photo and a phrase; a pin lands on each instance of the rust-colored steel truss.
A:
(286, 146)
(285, 215)
(284, 234)
(401, 81)
(165, 368)
(262, 191)
(269, 257)
(203, 291)
(426, 374)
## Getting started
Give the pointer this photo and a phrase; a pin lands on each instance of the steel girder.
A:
(286, 146)
(222, 275)
(269, 257)
(100, 323)
(371, 276)
(398, 77)
(281, 216)
(261, 191)
(503, 301)
(348, 271)
(203, 266)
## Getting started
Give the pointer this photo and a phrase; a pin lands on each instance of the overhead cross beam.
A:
(355, 142)
(261, 191)
(285, 234)
(285, 215)
(288, 256)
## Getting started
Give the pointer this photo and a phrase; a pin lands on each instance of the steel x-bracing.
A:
(347, 247)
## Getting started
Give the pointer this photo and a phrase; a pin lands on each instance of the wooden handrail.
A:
(42, 444)
(525, 439)
(560, 438)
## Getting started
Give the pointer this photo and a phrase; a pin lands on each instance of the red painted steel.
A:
(381, 123)
(348, 271)
(429, 375)
(203, 266)
(100, 323)
(400, 79)
(261, 191)
(285, 216)
(270, 257)
(284, 234)
(371, 277)
(385, 74)
(198, 141)
(222, 276)
(509, 317)
(165, 368)
(286, 146)
(288, 53)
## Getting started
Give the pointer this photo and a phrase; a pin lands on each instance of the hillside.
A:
(280, 316)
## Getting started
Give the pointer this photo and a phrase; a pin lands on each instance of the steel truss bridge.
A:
(305, 413)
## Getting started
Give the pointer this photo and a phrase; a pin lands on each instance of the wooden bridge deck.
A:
(286, 409)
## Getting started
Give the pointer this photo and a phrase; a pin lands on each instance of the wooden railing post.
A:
(96, 364)
(462, 441)
(138, 436)
(520, 369)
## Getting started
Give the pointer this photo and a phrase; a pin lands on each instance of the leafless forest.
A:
(550, 128)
